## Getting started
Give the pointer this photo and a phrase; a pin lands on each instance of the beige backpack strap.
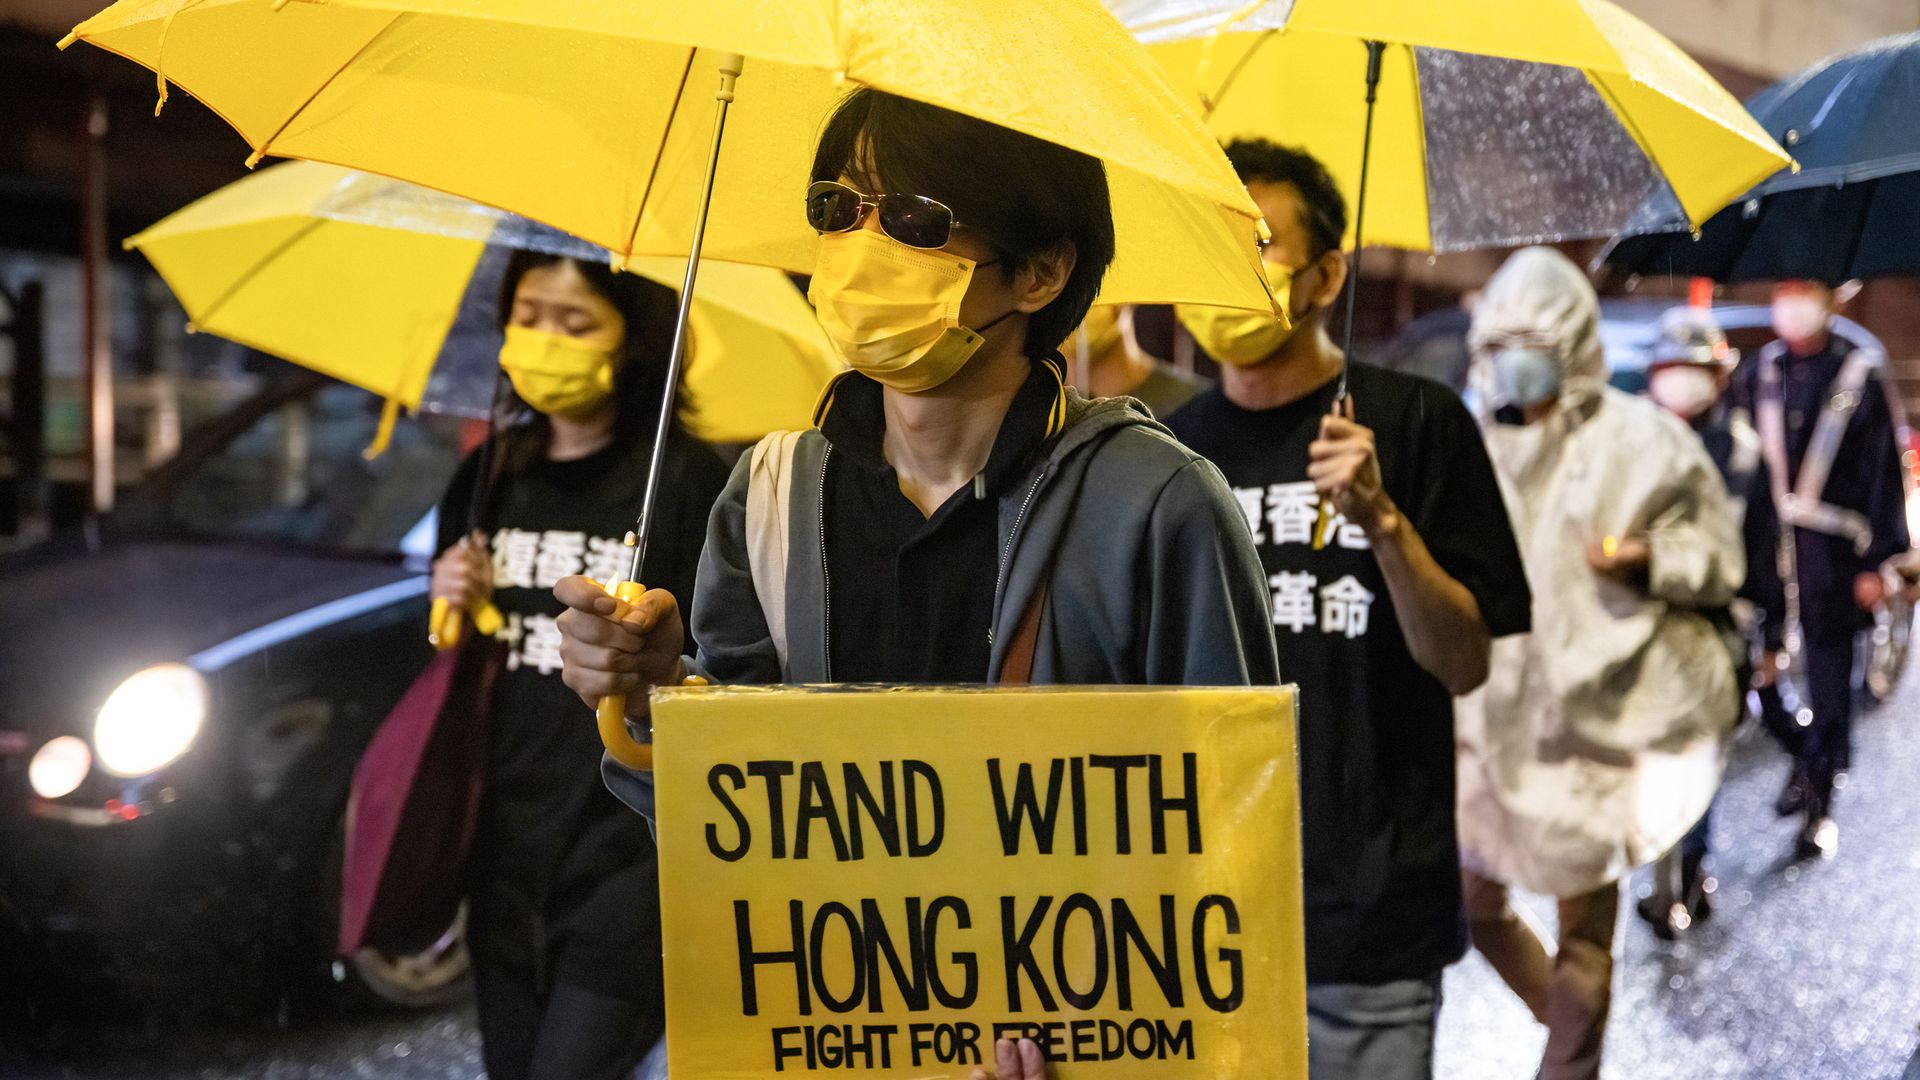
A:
(769, 509)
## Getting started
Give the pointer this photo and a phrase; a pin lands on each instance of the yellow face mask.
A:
(1237, 337)
(891, 311)
(555, 374)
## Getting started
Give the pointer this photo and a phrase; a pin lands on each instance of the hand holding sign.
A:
(602, 656)
(1015, 1061)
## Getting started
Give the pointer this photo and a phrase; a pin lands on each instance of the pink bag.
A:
(412, 808)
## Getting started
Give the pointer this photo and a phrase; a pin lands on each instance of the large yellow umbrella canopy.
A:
(594, 117)
(361, 278)
(1499, 122)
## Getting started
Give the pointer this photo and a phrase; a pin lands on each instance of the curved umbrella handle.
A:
(612, 710)
(446, 622)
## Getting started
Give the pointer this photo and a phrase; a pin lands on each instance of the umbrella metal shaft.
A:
(1374, 51)
(730, 66)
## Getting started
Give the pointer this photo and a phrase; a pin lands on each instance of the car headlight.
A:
(150, 719)
(58, 767)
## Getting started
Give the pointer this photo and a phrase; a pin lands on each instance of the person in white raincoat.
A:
(1600, 737)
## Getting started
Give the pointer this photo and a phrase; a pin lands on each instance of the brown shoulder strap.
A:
(1017, 668)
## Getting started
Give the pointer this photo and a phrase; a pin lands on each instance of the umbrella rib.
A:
(659, 152)
(1226, 83)
(266, 145)
(1639, 137)
(260, 264)
(1426, 159)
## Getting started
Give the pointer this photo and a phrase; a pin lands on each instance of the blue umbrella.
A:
(1852, 210)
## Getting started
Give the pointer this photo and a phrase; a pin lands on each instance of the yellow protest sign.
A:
(882, 882)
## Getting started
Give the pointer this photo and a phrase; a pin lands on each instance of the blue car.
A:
(183, 702)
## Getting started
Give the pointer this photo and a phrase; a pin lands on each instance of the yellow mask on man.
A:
(891, 311)
(1238, 337)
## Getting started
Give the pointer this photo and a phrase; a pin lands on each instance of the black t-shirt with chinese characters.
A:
(1382, 865)
(563, 876)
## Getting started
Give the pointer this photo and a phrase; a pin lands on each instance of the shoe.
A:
(1819, 834)
(1793, 797)
(1670, 916)
(1819, 838)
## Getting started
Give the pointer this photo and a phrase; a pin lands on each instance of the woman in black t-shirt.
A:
(562, 899)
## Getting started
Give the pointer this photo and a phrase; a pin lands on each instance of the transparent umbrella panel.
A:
(1520, 153)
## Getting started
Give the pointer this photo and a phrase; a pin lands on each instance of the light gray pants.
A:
(1380, 1032)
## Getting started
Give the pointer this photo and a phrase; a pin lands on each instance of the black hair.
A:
(1323, 208)
(1024, 195)
(647, 310)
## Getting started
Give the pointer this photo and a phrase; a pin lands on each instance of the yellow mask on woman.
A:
(555, 374)
(1237, 337)
(891, 311)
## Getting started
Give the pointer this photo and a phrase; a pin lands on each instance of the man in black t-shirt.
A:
(1382, 612)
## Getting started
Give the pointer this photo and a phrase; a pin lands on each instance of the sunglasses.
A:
(913, 220)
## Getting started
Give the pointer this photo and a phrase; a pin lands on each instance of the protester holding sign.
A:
(562, 909)
(1383, 610)
(959, 515)
(1599, 739)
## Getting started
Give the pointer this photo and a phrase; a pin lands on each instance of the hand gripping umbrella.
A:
(423, 90)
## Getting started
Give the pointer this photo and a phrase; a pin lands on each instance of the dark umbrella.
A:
(1851, 211)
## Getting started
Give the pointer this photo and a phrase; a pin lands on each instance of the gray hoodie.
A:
(1151, 576)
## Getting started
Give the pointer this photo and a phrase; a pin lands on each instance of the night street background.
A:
(1807, 971)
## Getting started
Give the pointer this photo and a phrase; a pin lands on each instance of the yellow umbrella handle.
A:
(612, 712)
(487, 619)
(444, 624)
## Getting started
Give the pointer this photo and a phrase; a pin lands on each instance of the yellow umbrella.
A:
(361, 278)
(435, 91)
(592, 117)
(1499, 122)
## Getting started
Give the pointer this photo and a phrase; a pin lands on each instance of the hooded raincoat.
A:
(1600, 737)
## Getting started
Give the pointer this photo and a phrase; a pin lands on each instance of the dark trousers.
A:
(567, 1033)
(1823, 745)
(1694, 846)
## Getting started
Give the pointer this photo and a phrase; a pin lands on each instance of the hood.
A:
(84, 621)
(1089, 418)
(1540, 294)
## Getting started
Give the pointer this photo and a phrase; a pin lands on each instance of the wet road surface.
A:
(1808, 971)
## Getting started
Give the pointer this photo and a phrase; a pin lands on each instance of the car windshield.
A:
(295, 473)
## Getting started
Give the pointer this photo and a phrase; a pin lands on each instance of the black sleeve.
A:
(1458, 510)
(1886, 503)
(457, 504)
(1761, 531)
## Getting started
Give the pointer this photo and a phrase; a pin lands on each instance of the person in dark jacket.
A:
(1820, 404)
(954, 490)
(563, 912)
(1691, 367)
